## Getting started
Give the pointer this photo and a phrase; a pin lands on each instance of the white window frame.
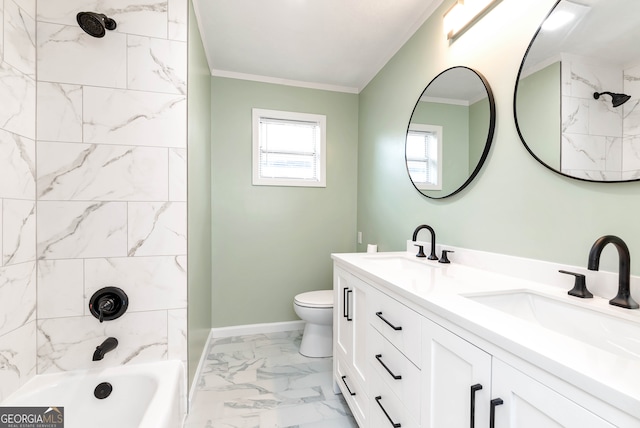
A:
(437, 130)
(321, 120)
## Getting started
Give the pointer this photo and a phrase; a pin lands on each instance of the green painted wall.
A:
(478, 128)
(199, 196)
(515, 206)
(539, 116)
(271, 243)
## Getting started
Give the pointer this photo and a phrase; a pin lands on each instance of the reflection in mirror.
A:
(577, 96)
(450, 132)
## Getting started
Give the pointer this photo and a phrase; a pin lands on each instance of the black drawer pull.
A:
(349, 317)
(345, 307)
(492, 415)
(474, 388)
(379, 315)
(395, 376)
(345, 384)
(394, 424)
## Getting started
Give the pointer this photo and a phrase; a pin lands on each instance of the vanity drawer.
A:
(385, 408)
(353, 393)
(397, 323)
(395, 370)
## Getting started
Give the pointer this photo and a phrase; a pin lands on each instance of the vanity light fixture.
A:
(464, 14)
(616, 99)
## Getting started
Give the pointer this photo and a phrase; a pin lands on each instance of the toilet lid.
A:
(315, 299)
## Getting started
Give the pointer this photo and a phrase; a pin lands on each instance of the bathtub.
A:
(144, 396)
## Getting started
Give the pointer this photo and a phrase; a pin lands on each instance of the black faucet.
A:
(623, 298)
(108, 345)
(432, 256)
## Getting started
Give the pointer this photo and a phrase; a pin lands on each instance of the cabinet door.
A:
(360, 330)
(457, 380)
(342, 314)
(526, 403)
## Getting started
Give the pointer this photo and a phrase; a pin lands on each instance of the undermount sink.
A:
(602, 328)
(398, 262)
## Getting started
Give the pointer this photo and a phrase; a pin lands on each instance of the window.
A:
(424, 156)
(288, 149)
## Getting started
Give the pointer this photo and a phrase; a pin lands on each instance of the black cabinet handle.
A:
(474, 388)
(394, 424)
(395, 376)
(345, 312)
(349, 318)
(379, 315)
(492, 415)
(345, 384)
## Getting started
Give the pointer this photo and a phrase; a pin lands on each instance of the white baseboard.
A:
(243, 330)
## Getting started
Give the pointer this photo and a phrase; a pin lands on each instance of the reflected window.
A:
(424, 156)
(288, 149)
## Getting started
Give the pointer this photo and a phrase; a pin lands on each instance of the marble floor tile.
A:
(262, 381)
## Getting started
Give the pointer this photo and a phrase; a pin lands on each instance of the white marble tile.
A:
(613, 154)
(177, 334)
(157, 65)
(17, 175)
(18, 106)
(114, 116)
(583, 152)
(631, 154)
(604, 119)
(59, 112)
(73, 171)
(587, 78)
(17, 358)
(66, 54)
(60, 288)
(19, 231)
(17, 296)
(68, 343)
(19, 38)
(152, 283)
(178, 175)
(178, 20)
(81, 229)
(158, 228)
(143, 17)
(29, 6)
(575, 115)
(1, 31)
(631, 121)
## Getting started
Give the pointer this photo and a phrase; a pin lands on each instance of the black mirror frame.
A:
(515, 114)
(487, 146)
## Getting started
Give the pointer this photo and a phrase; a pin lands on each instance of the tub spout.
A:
(108, 345)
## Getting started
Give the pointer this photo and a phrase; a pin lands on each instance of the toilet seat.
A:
(315, 299)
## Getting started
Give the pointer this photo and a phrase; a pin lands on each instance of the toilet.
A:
(316, 309)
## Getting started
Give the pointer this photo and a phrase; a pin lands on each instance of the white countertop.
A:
(440, 289)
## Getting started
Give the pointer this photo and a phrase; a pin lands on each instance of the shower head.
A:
(94, 24)
(616, 99)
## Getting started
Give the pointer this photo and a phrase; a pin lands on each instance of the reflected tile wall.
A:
(17, 194)
(592, 129)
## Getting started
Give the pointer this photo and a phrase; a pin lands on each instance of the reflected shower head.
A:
(94, 24)
(616, 99)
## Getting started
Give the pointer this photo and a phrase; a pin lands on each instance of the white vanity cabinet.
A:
(463, 385)
(350, 341)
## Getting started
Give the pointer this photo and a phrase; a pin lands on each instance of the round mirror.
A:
(578, 89)
(450, 132)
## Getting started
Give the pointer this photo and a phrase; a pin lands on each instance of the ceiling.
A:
(328, 44)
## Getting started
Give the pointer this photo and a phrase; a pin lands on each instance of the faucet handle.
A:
(444, 258)
(420, 250)
(579, 287)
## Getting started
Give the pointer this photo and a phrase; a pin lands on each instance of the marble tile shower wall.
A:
(599, 141)
(17, 194)
(106, 174)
